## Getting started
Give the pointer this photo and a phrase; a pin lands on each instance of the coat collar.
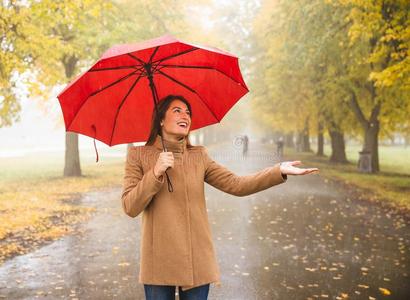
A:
(172, 146)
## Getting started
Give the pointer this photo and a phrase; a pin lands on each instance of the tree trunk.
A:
(206, 134)
(289, 140)
(303, 143)
(298, 144)
(214, 135)
(306, 143)
(72, 155)
(209, 136)
(371, 144)
(320, 140)
(371, 127)
(338, 147)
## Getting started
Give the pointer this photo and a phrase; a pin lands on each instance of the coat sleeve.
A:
(223, 179)
(138, 188)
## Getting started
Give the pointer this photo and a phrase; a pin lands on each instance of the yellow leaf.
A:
(385, 291)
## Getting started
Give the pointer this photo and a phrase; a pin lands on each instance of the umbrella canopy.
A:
(114, 100)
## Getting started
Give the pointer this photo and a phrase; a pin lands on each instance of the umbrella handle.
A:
(155, 98)
(170, 187)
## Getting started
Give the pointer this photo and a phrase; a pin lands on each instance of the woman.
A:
(176, 244)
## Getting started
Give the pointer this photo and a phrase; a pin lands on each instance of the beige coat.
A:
(176, 243)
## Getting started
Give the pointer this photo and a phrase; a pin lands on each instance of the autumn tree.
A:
(21, 42)
(379, 38)
(349, 59)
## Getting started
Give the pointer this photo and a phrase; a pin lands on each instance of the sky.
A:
(43, 131)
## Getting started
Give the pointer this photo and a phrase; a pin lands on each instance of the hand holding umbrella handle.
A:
(170, 187)
(161, 167)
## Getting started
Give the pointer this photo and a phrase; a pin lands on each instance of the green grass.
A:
(43, 166)
(35, 197)
(395, 159)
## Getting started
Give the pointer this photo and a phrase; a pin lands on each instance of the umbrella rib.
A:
(114, 68)
(136, 58)
(122, 102)
(153, 54)
(112, 83)
(96, 92)
(201, 67)
(190, 89)
(175, 55)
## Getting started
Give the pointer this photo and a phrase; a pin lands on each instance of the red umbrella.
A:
(113, 101)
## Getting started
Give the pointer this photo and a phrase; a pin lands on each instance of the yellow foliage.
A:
(42, 208)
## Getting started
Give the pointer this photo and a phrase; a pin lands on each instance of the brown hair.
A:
(163, 106)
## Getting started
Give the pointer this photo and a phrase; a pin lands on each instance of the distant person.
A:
(279, 148)
(245, 145)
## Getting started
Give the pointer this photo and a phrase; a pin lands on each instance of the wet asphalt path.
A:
(304, 239)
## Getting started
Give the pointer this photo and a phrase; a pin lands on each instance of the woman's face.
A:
(177, 120)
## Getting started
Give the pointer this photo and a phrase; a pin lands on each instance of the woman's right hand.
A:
(164, 161)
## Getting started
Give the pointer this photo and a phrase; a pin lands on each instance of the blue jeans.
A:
(167, 292)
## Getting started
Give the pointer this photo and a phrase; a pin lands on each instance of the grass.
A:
(36, 201)
(392, 159)
(390, 186)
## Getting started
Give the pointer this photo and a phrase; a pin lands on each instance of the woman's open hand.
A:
(288, 167)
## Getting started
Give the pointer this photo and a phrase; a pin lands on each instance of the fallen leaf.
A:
(384, 291)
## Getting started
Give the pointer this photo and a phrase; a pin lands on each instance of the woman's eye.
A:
(179, 111)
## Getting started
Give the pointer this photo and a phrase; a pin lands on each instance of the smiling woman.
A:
(172, 120)
(176, 242)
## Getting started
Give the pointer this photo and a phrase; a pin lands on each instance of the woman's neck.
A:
(172, 137)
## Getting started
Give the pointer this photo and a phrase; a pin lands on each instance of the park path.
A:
(305, 239)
